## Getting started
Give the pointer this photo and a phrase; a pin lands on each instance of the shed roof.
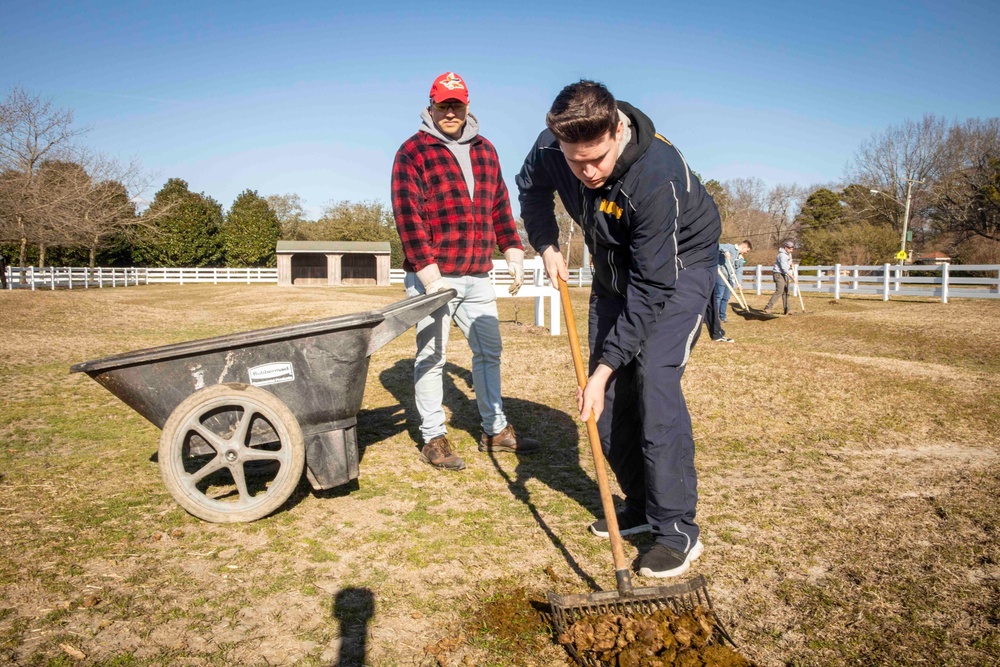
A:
(370, 247)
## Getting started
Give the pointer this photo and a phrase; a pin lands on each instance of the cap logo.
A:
(452, 82)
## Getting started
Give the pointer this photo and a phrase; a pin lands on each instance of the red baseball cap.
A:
(449, 86)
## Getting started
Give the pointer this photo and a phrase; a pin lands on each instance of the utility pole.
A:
(906, 219)
(901, 255)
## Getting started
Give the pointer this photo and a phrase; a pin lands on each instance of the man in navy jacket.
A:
(653, 232)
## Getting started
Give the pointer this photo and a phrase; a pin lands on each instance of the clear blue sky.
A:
(315, 97)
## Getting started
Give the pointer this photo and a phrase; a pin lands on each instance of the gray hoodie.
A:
(459, 147)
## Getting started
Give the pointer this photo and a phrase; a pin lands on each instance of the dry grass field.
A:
(849, 469)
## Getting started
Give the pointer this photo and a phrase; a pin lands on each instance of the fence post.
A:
(52, 274)
(539, 300)
(994, 289)
(944, 282)
(555, 312)
(757, 278)
(854, 284)
(70, 269)
(885, 281)
(836, 281)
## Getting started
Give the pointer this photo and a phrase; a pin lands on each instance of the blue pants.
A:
(721, 297)
(645, 427)
(475, 312)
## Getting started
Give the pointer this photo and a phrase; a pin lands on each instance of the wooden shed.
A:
(333, 262)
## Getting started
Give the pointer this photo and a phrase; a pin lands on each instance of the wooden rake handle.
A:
(617, 551)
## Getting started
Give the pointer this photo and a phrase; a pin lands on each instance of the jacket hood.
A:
(642, 136)
(469, 131)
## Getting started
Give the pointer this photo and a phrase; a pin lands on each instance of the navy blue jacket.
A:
(651, 219)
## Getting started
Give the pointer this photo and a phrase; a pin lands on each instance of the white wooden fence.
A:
(946, 281)
(967, 281)
(536, 286)
(77, 277)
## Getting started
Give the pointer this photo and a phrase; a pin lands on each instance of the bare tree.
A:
(912, 152)
(763, 215)
(54, 192)
(33, 131)
(102, 205)
(291, 214)
(967, 203)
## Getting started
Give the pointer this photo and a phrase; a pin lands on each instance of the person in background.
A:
(452, 209)
(730, 270)
(782, 273)
(713, 321)
(653, 232)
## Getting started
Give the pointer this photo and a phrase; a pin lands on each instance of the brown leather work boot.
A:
(438, 453)
(507, 440)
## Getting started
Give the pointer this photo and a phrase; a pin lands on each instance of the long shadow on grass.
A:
(557, 465)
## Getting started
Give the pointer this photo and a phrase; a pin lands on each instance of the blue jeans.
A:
(475, 312)
(721, 297)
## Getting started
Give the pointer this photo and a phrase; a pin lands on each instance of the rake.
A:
(626, 601)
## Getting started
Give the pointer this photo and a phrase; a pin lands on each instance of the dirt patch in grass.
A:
(848, 476)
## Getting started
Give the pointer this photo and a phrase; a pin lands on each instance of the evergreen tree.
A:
(184, 229)
(844, 228)
(251, 232)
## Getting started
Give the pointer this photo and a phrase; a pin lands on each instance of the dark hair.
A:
(748, 244)
(583, 111)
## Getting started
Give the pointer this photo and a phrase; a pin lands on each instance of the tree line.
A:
(62, 203)
(950, 169)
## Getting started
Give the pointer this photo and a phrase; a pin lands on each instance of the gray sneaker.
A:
(438, 453)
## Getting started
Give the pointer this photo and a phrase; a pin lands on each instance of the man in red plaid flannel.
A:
(452, 209)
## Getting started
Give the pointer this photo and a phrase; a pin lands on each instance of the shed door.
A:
(358, 269)
(309, 269)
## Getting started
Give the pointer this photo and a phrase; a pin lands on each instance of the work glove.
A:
(515, 267)
(430, 278)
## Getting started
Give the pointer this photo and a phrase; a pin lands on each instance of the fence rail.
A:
(967, 281)
(78, 277)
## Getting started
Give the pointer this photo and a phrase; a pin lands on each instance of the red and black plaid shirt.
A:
(436, 218)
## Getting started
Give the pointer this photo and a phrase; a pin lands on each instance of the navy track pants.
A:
(645, 428)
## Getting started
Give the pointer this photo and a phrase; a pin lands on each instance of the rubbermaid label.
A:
(271, 374)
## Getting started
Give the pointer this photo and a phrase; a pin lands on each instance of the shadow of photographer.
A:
(353, 608)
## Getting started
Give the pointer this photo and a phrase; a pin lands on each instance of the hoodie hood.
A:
(643, 133)
(469, 131)
(461, 148)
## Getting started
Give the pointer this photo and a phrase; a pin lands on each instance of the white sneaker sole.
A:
(634, 530)
(680, 569)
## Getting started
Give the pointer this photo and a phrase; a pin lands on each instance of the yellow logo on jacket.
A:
(611, 208)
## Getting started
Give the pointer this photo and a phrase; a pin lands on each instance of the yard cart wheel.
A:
(231, 452)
